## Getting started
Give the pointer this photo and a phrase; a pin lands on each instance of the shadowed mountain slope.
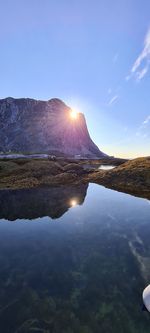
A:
(33, 126)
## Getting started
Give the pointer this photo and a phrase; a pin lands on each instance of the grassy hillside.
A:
(131, 177)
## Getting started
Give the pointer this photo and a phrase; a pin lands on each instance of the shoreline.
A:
(132, 177)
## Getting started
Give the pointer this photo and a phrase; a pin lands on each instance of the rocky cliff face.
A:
(32, 126)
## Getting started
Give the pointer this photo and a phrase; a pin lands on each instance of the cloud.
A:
(113, 100)
(115, 58)
(142, 63)
(137, 133)
(141, 74)
(128, 77)
(143, 129)
(146, 121)
(145, 135)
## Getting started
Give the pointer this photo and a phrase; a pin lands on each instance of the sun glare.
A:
(74, 114)
(73, 203)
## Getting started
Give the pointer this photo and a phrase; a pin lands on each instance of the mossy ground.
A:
(131, 177)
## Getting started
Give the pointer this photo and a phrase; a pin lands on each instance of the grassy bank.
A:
(131, 176)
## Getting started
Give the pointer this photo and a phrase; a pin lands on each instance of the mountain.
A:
(34, 126)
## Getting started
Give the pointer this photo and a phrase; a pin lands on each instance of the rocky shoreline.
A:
(128, 176)
(132, 177)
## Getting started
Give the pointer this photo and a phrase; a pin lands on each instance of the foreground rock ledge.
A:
(131, 177)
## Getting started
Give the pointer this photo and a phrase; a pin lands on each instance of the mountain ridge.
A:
(37, 126)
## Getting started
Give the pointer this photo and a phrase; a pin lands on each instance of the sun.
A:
(74, 114)
(73, 202)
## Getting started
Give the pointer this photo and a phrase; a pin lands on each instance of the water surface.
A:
(106, 167)
(73, 260)
(98, 167)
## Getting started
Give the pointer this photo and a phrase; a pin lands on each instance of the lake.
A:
(98, 167)
(73, 259)
(106, 167)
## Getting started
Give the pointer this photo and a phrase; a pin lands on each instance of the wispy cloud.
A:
(109, 91)
(128, 77)
(125, 129)
(142, 63)
(115, 58)
(143, 129)
(113, 100)
(142, 72)
(146, 121)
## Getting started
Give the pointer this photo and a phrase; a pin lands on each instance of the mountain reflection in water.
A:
(85, 273)
(40, 202)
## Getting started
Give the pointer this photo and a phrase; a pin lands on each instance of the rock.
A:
(33, 126)
(131, 177)
(74, 168)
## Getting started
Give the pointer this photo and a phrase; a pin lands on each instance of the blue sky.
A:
(95, 55)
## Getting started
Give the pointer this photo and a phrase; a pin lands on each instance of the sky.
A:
(92, 54)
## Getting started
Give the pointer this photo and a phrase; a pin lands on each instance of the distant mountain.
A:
(33, 126)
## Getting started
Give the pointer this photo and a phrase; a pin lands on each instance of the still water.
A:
(99, 167)
(106, 167)
(73, 260)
